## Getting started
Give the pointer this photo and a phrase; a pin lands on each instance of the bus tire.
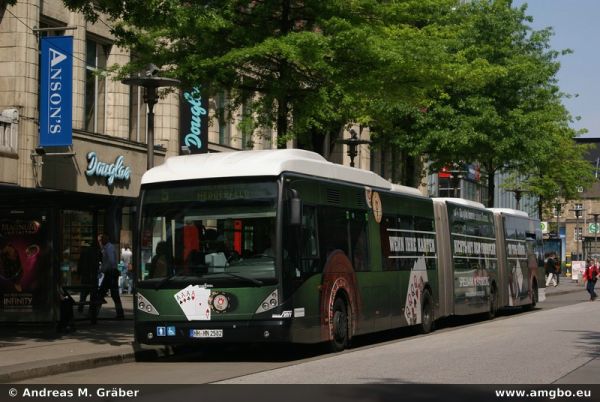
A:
(493, 301)
(340, 325)
(534, 298)
(426, 325)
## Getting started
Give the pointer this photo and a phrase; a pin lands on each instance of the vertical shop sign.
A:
(56, 94)
(25, 278)
(193, 121)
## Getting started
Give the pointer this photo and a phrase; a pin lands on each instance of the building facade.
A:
(56, 200)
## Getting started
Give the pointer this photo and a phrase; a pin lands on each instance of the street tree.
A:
(304, 67)
(509, 118)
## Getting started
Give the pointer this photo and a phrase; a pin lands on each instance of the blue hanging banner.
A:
(56, 91)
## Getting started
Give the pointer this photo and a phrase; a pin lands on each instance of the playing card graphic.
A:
(201, 305)
(193, 301)
(184, 299)
(416, 282)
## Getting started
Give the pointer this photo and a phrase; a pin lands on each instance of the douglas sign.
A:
(193, 124)
(112, 171)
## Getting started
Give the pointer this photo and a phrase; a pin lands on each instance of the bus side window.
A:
(309, 257)
(333, 231)
(358, 241)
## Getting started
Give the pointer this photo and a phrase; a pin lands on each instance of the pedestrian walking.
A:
(109, 268)
(557, 269)
(590, 276)
(87, 268)
(126, 257)
(550, 271)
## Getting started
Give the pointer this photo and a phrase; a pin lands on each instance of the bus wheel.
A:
(426, 325)
(339, 323)
(534, 298)
(493, 304)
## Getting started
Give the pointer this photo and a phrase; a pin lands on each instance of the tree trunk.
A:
(282, 121)
(282, 99)
(491, 186)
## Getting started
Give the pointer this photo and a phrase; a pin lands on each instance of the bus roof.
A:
(264, 163)
(460, 201)
(509, 211)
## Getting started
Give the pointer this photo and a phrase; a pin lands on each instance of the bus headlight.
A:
(269, 303)
(144, 305)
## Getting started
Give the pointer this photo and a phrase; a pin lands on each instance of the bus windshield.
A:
(217, 232)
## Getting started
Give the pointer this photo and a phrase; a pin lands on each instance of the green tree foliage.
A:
(507, 113)
(316, 65)
(455, 82)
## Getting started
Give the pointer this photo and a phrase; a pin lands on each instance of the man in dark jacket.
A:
(109, 268)
(87, 268)
(551, 271)
(590, 276)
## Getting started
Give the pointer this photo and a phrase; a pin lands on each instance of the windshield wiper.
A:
(163, 281)
(244, 278)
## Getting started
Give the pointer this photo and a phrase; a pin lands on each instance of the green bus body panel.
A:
(381, 294)
(521, 248)
(244, 303)
(474, 257)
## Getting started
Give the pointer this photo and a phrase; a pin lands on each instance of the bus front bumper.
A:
(173, 333)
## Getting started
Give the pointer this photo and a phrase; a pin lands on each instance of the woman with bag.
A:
(590, 276)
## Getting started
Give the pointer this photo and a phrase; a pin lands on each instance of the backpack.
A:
(550, 266)
(593, 273)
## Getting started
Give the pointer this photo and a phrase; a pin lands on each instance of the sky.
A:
(576, 25)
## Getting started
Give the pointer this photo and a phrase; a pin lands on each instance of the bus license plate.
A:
(206, 333)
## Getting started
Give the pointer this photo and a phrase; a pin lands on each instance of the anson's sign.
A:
(193, 121)
(56, 91)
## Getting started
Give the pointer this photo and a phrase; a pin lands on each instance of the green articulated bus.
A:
(283, 246)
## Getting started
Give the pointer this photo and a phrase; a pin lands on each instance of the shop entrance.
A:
(80, 230)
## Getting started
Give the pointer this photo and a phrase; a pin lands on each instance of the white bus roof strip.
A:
(412, 256)
(473, 237)
(461, 201)
(509, 211)
(265, 163)
(472, 257)
(409, 231)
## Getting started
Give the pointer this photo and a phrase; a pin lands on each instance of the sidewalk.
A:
(30, 352)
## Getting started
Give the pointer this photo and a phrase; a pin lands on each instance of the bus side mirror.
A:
(295, 218)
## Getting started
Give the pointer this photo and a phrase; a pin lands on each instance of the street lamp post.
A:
(558, 207)
(353, 142)
(595, 216)
(518, 195)
(578, 212)
(150, 81)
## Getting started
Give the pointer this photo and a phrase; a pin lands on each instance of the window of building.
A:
(578, 234)
(8, 131)
(246, 127)
(95, 86)
(222, 114)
